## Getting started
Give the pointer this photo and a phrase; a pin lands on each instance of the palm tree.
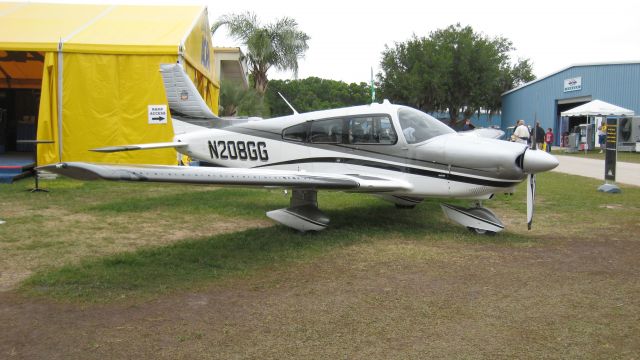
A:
(279, 45)
(236, 101)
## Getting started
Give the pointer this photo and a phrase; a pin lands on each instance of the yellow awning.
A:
(136, 30)
(40, 27)
(99, 29)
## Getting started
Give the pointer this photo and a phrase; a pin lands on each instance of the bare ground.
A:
(554, 297)
(64, 237)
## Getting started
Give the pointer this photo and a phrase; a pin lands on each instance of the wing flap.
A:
(227, 176)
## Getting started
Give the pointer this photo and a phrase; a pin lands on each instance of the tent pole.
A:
(59, 97)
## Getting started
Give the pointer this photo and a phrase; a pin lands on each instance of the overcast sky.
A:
(348, 36)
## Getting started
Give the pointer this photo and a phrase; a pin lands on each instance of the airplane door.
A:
(293, 152)
(371, 141)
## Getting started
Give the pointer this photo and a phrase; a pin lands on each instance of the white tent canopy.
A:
(598, 108)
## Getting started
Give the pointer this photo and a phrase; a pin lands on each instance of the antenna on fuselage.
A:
(295, 112)
(373, 88)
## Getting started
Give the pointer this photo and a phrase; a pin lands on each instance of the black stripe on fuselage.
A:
(397, 168)
(441, 171)
(344, 148)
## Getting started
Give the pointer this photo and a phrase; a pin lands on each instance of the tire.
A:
(398, 206)
(481, 231)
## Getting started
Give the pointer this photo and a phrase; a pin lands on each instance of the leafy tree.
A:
(454, 70)
(278, 45)
(313, 93)
(236, 101)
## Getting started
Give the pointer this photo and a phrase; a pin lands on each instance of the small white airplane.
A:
(395, 152)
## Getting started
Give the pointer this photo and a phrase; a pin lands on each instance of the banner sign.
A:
(573, 84)
(611, 150)
(157, 114)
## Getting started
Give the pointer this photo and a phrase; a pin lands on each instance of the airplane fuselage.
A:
(443, 165)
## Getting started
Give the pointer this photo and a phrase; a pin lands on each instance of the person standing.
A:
(467, 125)
(521, 133)
(602, 135)
(539, 135)
(548, 140)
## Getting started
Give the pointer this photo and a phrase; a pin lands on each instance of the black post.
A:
(35, 172)
(610, 157)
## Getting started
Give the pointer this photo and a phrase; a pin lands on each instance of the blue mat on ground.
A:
(15, 166)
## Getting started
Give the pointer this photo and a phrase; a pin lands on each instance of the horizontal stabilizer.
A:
(110, 149)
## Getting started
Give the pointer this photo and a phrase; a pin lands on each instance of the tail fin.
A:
(182, 95)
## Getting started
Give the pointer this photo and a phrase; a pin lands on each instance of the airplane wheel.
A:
(398, 206)
(481, 231)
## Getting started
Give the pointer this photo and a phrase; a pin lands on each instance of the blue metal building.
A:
(546, 97)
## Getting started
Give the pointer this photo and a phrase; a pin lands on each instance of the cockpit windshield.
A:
(418, 126)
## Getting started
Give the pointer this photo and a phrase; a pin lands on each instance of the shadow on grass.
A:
(231, 202)
(188, 264)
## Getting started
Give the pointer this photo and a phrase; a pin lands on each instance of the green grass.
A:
(190, 263)
(564, 201)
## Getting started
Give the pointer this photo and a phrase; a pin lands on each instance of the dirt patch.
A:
(381, 299)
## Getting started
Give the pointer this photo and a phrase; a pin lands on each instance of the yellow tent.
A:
(97, 68)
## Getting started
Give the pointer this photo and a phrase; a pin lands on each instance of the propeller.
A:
(535, 161)
(531, 197)
(531, 182)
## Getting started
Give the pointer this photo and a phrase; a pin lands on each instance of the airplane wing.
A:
(228, 176)
(110, 149)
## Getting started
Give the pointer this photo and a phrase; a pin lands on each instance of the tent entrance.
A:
(566, 125)
(19, 108)
(20, 82)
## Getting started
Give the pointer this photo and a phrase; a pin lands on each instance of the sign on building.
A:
(573, 84)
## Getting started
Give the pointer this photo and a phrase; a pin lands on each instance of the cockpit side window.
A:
(296, 132)
(418, 126)
(371, 130)
(327, 131)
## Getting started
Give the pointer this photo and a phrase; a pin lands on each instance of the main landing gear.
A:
(477, 219)
(303, 213)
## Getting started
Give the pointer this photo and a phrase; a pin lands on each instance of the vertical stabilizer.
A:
(182, 95)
